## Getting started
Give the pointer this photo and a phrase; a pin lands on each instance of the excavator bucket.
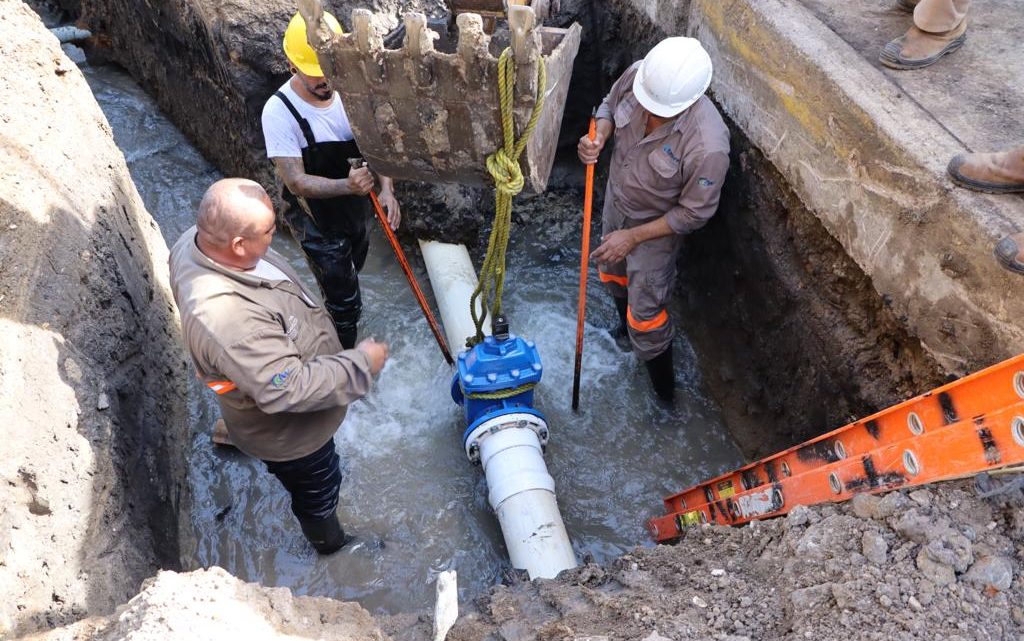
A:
(425, 106)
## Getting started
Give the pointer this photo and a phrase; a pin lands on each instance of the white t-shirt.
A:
(282, 132)
(267, 271)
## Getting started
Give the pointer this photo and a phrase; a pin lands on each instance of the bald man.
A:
(265, 344)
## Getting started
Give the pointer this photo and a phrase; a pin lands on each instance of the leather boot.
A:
(917, 49)
(326, 535)
(1010, 252)
(998, 173)
(663, 375)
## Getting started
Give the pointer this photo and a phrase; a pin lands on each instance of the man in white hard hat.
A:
(671, 155)
(310, 142)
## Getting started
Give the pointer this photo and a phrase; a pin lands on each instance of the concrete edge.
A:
(870, 163)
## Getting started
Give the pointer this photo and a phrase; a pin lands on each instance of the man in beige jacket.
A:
(265, 344)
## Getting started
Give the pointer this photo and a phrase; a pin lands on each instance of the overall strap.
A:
(307, 131)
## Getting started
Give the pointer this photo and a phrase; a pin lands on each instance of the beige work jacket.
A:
(676, 171)
(269, 349)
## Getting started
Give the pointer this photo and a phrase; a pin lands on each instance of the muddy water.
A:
(410, 496)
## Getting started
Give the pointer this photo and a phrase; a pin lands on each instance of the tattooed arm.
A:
(291, 171)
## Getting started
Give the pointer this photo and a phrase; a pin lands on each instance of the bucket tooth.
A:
(419, 44)
(428, 110)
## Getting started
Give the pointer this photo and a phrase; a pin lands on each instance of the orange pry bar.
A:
(967, 426)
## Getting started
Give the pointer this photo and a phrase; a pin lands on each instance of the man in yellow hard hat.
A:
(310, 141)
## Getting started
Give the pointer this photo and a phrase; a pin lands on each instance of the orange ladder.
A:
(970, 425)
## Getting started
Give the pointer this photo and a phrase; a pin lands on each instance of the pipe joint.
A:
(493, 423)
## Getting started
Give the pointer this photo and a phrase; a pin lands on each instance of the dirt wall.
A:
(792, 338)
(91, 400)
(212, 604)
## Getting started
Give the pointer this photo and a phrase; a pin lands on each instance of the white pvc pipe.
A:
(453, 279)
(522, 494)
(520, 489)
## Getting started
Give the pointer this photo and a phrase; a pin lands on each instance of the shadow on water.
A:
(413, 500)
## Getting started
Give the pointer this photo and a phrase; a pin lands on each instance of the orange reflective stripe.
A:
(648, 325)
(612, 278)
(221, 387)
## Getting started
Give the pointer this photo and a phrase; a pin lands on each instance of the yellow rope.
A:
(501, 394)
(504, 168)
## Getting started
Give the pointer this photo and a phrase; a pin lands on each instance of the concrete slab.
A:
(868, 158)
(976, 94)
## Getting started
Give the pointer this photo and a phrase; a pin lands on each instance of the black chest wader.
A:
(333, 234)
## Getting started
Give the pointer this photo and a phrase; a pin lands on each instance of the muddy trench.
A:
(784, 337)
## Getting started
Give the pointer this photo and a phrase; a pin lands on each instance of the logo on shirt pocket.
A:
(668, 150)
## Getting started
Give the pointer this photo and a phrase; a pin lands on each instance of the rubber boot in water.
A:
(326, 535)
(622, 331)
(347, 338)
(663, 375)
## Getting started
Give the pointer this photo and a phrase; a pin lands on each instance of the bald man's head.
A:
(233, 207)
(235, 222)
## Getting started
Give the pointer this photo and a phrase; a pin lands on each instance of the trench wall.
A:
(91, 394)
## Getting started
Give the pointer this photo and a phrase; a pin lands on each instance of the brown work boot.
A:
(1008, 252)
(917, 49)
(907, 5)
(999, 173)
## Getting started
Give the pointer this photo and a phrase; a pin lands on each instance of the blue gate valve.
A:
(496, 378)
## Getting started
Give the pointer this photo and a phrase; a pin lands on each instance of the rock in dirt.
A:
(811, 597)
(865, 505)
(994, 571)
(935, 571)
(874, 547)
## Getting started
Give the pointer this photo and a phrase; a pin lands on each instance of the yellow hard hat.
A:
(297, 48)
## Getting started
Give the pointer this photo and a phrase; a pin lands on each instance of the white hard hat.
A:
(673, 75)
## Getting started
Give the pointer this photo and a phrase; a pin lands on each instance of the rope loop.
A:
(503, 165)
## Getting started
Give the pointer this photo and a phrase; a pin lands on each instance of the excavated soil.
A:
(91, 372)
(933, 563)
(936, 563)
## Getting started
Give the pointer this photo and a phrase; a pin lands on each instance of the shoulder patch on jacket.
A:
(705, 182)
(280, 378)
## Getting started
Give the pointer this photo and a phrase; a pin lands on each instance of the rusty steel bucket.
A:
(430, 113)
